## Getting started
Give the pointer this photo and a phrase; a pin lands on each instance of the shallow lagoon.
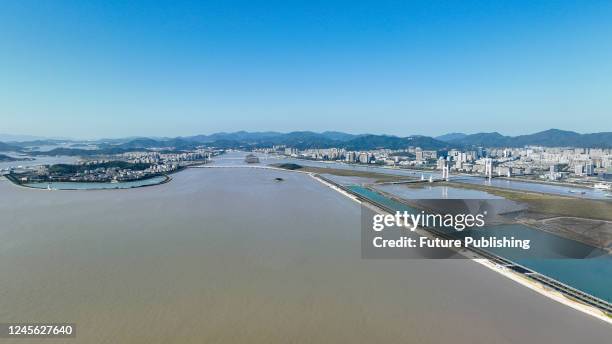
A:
(548, 254)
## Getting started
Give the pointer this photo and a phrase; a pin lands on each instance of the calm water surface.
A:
(233, 256)
(41, 160)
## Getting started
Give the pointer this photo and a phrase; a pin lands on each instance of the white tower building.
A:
(488, 168)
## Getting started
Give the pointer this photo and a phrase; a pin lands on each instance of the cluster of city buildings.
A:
(157, 157)
(540, 163)
(553, 163)
(116, 168)
(100, 174)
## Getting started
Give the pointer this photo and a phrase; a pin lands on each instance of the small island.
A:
(125, 170)
(92, 172)
(6, 158)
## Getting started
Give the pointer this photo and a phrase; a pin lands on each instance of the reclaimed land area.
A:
(376, 176)
(547, 203)
(585, 220)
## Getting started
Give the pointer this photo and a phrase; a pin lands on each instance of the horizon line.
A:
(60, 138)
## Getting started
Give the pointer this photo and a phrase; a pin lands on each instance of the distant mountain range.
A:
(6, 158)
(547, 138)
(308, 139)
(450, 137)
(5, 147)
(23, 138)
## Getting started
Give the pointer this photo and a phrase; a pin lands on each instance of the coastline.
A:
(506, 272)
(167, 179)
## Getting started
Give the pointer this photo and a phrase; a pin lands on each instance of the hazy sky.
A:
(120, 68)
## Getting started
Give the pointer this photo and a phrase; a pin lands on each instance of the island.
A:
(6, 158)
(124, 170)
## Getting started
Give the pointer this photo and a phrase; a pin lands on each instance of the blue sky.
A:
(123, 68)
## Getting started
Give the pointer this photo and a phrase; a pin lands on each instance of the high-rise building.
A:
(578, 169)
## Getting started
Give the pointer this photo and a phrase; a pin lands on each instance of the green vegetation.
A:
(13, 178)
(288, 166)
(403, 154)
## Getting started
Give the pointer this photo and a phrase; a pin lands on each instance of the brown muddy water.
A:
(233, 256)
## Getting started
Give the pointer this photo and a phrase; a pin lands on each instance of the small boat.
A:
(577, 192)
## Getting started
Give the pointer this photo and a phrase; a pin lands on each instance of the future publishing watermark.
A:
(448, 228)
(466, 242)
(425, 234)
(457, 222)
